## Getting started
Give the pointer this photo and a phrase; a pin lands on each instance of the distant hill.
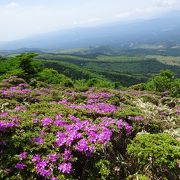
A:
(127, 69)
(162, 31)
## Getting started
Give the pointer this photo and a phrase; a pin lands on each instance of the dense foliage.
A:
(128, 69)
(164, 82)
(26, 67)
(157, 152)
(54, 127)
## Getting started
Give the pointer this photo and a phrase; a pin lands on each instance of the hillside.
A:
(58, 126)
(105, 63)
(126, 69)
(64, 133)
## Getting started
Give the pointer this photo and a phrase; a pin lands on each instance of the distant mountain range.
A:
(161, 31)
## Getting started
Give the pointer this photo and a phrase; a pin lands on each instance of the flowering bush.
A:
(17, 91)
(58, 133)
(56, 140)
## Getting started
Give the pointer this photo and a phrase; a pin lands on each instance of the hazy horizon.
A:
(20, 19)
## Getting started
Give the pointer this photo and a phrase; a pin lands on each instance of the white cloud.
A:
(123, 14)
(139, 13)
(165, 3)
(20, 18)
(12, 5)
(157, 7)
(92, 20)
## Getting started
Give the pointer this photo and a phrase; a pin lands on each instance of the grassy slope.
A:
(125, 69)
(169, 60)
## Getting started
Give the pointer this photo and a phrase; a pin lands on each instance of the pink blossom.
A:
(23, 155)
(46, 121)
(65, 168)
(20, 166)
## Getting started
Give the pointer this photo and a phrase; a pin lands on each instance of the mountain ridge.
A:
(165, 29)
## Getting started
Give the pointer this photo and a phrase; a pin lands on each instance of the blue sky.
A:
(23, 18)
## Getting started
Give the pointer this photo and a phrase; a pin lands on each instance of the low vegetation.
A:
(55, 127)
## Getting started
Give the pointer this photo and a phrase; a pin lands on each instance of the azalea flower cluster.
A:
(7, 122)
(74, 135)
(97, 97)
(100, 108)
(95, 103)
(16, 91)
(53, 142)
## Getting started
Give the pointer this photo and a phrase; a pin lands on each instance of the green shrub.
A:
(164, 82)
(95, 82)
(28, 65)
(23, 66)
(51, 76)
(157, 152)
(103, 167)
(137, 86)
(161, 82)
(175, 88)
(128, 111)
(80, 85)
(15, 72)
